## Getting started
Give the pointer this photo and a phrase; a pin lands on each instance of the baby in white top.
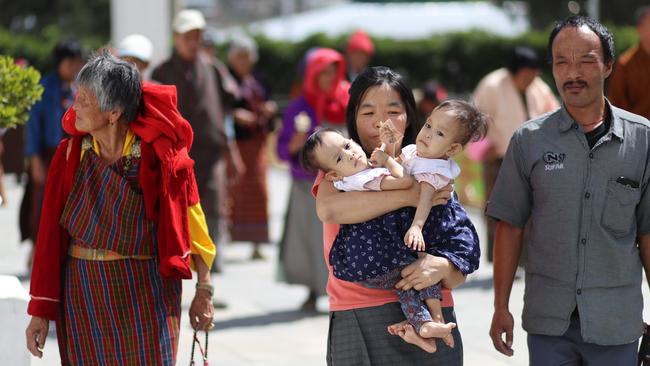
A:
(451, 125)
(347, 166)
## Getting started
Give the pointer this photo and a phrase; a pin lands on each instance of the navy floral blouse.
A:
(376, 247)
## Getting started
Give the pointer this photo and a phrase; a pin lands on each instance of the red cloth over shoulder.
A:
(169, 187)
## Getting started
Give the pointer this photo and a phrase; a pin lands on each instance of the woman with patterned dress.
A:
(253, 113)
(121, 226)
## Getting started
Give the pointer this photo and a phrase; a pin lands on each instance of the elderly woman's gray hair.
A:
(117, 84)
(245, 44)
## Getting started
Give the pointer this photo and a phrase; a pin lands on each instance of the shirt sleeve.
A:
(200, 242)
(367, 180)
(511, 198)
(34, 130)
(436, 180)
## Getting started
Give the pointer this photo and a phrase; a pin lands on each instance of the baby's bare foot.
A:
(436, 329)
(396, 328)
(449, 340)
(410, 336)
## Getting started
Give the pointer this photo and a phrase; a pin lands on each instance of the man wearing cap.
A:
(358, 52)
(202, 100)
(137, 49)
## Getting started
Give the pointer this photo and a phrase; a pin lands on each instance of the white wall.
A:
(13, 307)
(151, 18)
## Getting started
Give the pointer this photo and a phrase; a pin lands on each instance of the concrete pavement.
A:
(261, 325)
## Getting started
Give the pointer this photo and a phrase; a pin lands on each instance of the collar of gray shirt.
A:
(617, 128)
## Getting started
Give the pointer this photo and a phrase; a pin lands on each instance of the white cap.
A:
(187, 20)
(135, 45)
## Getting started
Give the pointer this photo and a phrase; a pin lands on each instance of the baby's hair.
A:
(473, 122)
(308, 159)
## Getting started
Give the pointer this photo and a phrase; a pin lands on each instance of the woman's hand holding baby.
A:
(424, 272)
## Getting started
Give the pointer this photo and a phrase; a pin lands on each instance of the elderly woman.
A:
(121, 226)
(253, 113)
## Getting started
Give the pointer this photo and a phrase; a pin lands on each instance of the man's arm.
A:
(508, 241)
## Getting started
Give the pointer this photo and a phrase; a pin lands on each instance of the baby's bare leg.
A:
(438, 323)
(409, 335)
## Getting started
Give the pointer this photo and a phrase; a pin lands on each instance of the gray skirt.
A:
(359, 337)
(301, 249)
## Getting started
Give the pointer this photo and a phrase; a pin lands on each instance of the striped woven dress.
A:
(116, 310)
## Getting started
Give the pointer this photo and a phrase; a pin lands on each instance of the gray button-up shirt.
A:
(582, 210)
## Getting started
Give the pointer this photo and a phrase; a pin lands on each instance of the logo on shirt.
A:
(553, 160)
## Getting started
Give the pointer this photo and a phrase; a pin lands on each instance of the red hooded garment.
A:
(330, 105)
(166, 176)
(360, 41)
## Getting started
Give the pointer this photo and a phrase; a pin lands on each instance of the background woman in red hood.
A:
(323, 102)
(325, 87)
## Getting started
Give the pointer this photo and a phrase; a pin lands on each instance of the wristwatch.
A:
(205, 286)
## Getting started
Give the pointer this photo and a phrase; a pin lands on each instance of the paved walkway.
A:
(261, 325)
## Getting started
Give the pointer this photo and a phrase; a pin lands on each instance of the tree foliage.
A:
(456, 60)
(81, 18)
(543, 13)
(19, 90)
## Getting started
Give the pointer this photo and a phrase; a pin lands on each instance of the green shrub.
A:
(19, 90)
(457, 60)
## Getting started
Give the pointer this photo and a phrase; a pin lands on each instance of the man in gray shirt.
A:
(572, 187)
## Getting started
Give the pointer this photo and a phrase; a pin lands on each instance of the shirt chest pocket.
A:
(619, 210)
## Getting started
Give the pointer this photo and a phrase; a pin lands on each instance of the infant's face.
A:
(341, 154)
(438, 135)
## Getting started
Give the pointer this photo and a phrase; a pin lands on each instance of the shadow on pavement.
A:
(266, 319)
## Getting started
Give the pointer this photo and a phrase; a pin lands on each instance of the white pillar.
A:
(13, 307)
(593, 9)
(150, 18)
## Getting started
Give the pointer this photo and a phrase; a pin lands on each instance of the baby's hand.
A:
(388, 133)
(378, 157)
(414, 240)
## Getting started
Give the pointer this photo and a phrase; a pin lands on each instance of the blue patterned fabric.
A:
(376, 247)
(412, 301)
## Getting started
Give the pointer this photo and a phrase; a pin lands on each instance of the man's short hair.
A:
(69, 48)
(522, 57)
(577, 21)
